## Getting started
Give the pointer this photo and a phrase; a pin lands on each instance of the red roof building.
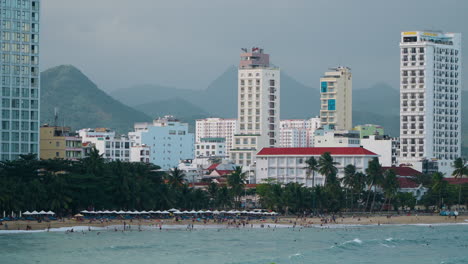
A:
(457, 180)
(355, 151)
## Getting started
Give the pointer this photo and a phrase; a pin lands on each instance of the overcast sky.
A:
(187, 44)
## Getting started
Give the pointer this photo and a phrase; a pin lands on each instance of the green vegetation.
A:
(92, 183)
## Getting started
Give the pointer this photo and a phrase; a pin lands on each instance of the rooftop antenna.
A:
(55, 116)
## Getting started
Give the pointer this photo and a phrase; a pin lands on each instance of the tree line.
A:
(67, 187)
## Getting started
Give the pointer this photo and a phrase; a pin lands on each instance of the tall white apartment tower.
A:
(258, 107)
(19, 98)
(430, 98)
(336, 95)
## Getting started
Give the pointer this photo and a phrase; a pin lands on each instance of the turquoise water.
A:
(374, 244)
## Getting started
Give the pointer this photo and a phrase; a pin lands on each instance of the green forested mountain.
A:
(81, 103)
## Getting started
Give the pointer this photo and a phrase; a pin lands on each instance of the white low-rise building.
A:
(140, 153)
(385, 146)
(211, 147)
(327, 137)
(107, 143)
(288, 164)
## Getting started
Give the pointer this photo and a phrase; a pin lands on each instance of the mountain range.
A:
(82, 104)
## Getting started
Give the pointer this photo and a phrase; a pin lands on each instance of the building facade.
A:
(169, 140)
(296, 133)
(211, 147)
(216, 128)
(287, 165)
(327, 137)
(59, 143)
(258, 106)
(384, 146)
(369, 130)
(430, 98)
(336, 95)
(19, 53)
(140, 153)
(112, 147)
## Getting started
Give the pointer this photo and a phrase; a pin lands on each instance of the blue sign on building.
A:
(331, 104)
(323, 86)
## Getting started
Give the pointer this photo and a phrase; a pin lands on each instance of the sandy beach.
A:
(347, 220)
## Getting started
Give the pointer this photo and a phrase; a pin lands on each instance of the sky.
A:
(189, 43)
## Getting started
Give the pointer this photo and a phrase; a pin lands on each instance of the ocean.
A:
(415, 244)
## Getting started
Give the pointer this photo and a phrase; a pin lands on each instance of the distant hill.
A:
(81, 103)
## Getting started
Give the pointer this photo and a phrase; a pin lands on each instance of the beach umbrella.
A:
(42, 212)
(27, 213)
(193, 212)
(121, 212)
(223, 212)
(208, 212)
(135, 212)
(173, 210)
(244, 212)
(185, 212)
(50, 213)
(144, 212)
(99, 212)
(158, 212)
(178, 212)
(114, 212)
(215, 212)
(85, 211)
(164, 212)
(107, 212)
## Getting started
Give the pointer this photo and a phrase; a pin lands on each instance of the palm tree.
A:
(389, 186)
(374, 178)
(312, 167)
(236, 181)
(175, 178)
(326, 166)
(461, 169)
(438, 184)
(349, 180)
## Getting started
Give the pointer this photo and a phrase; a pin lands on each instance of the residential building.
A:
(112, 147)
(296, 133)
(59, 143)
(258, 107)
(140, 153)
(327, 137)
(407, 180)
(369, 130)
(336, 95)
(211, 147)
(384, 146)
(430, 98)
(19, 98)
(287, 165)
(169, 140)
(216, 128)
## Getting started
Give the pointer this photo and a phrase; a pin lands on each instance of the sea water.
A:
(416, 244)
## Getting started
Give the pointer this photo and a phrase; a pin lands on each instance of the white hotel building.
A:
(288, 164)
(258, 107)
(430, 98)
(216, 128)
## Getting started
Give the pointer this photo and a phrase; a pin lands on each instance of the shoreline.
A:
(282, 222)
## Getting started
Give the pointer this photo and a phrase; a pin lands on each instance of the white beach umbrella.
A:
(173, 210)
(42, 212)
(144, 212)
(216, 212)
(164, 212)
(244, 212)
(107, 212)
(237, 212)
(178, 212)
(208, 212)
(185, 212)
(121, 212)
(195, 212)
(50, 213)
(99, 212)
(114, 212)
(158, 212)
(27, 213)
(222, 211)
(128, 212)
(85, 211)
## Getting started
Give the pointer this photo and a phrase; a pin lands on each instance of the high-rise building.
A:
(19, 54)
(258, 106)
(430, 98)
(336, 95)
(216, 128)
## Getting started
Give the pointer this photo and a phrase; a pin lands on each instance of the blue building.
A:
(168, 139)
